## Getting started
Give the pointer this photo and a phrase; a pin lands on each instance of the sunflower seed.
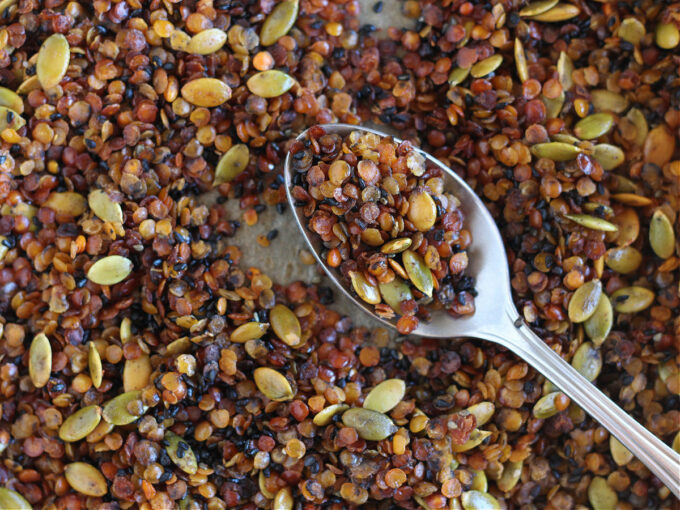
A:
(599, 324)
(103, 207)
(181, 453)
(385, 396)
(632, 299)
(285, 325)
(661, 235)
(268, 84)
(279, 22)
(556, 151)
(53, 59)
(364, 289)
(592, 222)
(110, 270)
(273, 384)
(600, 495)
(40, 360)
(231, 164)
(418, 272)
(80, 424)
(594, 126)
(584, 301)
(207, 92)
(94, 365)
(370, 425)
(85, 479)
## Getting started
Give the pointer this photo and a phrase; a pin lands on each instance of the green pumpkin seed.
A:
(561, 12)
(619, 453)
(479, 480)
(624, 260)
(261, 481)
(565, 67)
(80, 424)
(486, 66)
(608, 156)
(659, 146)
(279, 22)
(482, 411)
(12, 500)
(422, 210)
(12, 100)
(476, 500)
(325, 416)
(110, 270)
(394, 292)
(594, 126)
(136, 373)
(370, 425)
(125, 331)
(545, 406)
(103, 207)
(179, 40)
(521, 61)
(535, 8)
(231, 164)
(283, 499)
(372, 237)
(385, 396)
(475, 439)
(565, 138)
(249, 331)
(40, 360)
(94, 365)
(285, 325)
(592, 222)
(86, 479)
(53, 59)
(9, 119)
(511, 473)
(661, 235)
(676, 442)
(596, 207)
(207, 42)
(587, 361)
(607, 101)
(28, 85)
(667, 36)
(273, 384)
(418, 272)
(181, 453)
(631, 30)
(554, 106)
(638, 119)
(458, 76)
(632, 199)
(600, 495)
(598, 325)
(206, 92)
(468, 25)
(364, 289)
(116, 412)
(556, 151)
(396, 245)
(67, 203)
(584, 301)
(100, 432)
(268, 84)
(632, 299)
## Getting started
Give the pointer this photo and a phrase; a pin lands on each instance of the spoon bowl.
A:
(497, 320)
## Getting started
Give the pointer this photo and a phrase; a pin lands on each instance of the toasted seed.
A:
(483, 412)
(181, 453)
(539, 7)
(94, 365)
(100, 432)
(273, 384)
(607, 101)
(600, 495)
(207, 42)
(285, 325)
(475, 439)
(394, 292)
(629, 226)
(638, 119)
(631, 30)
(232, 163)
(137, 373)
(9, 119)
(249, 331)
(592, 222)
(325, 416)
(110, 270)
(364, 289)
(594, 126)
(545, 406)
(12, 500)
(12, 100)
(53, 59)
(661, 235)
(632, 299)
(565, 66)
(40, 360)
(598, 325)
(116, 412)
(479, 481)
(608, 156)
(623, 260)
(418, 272)
(103, 207)
(556, 151)
(283, 499)
(476, 500)
(279, 22)
(385, 396)
(396, 245)
(584, 301)
(179, 40)
(85, 479)
(510, 476)
(619, 453)
(207, 92)
(272, 83)
(422, 210)
(667, 36)
(80, 424)
(66, 203)
(561, 12)
(632, 199)
(370, 425)
(521, 61)
(486, 66)
(587, 361)
(458, 75)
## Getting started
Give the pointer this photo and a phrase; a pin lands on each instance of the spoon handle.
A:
(652, 452)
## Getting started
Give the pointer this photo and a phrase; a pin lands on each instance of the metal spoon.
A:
(497, 320)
